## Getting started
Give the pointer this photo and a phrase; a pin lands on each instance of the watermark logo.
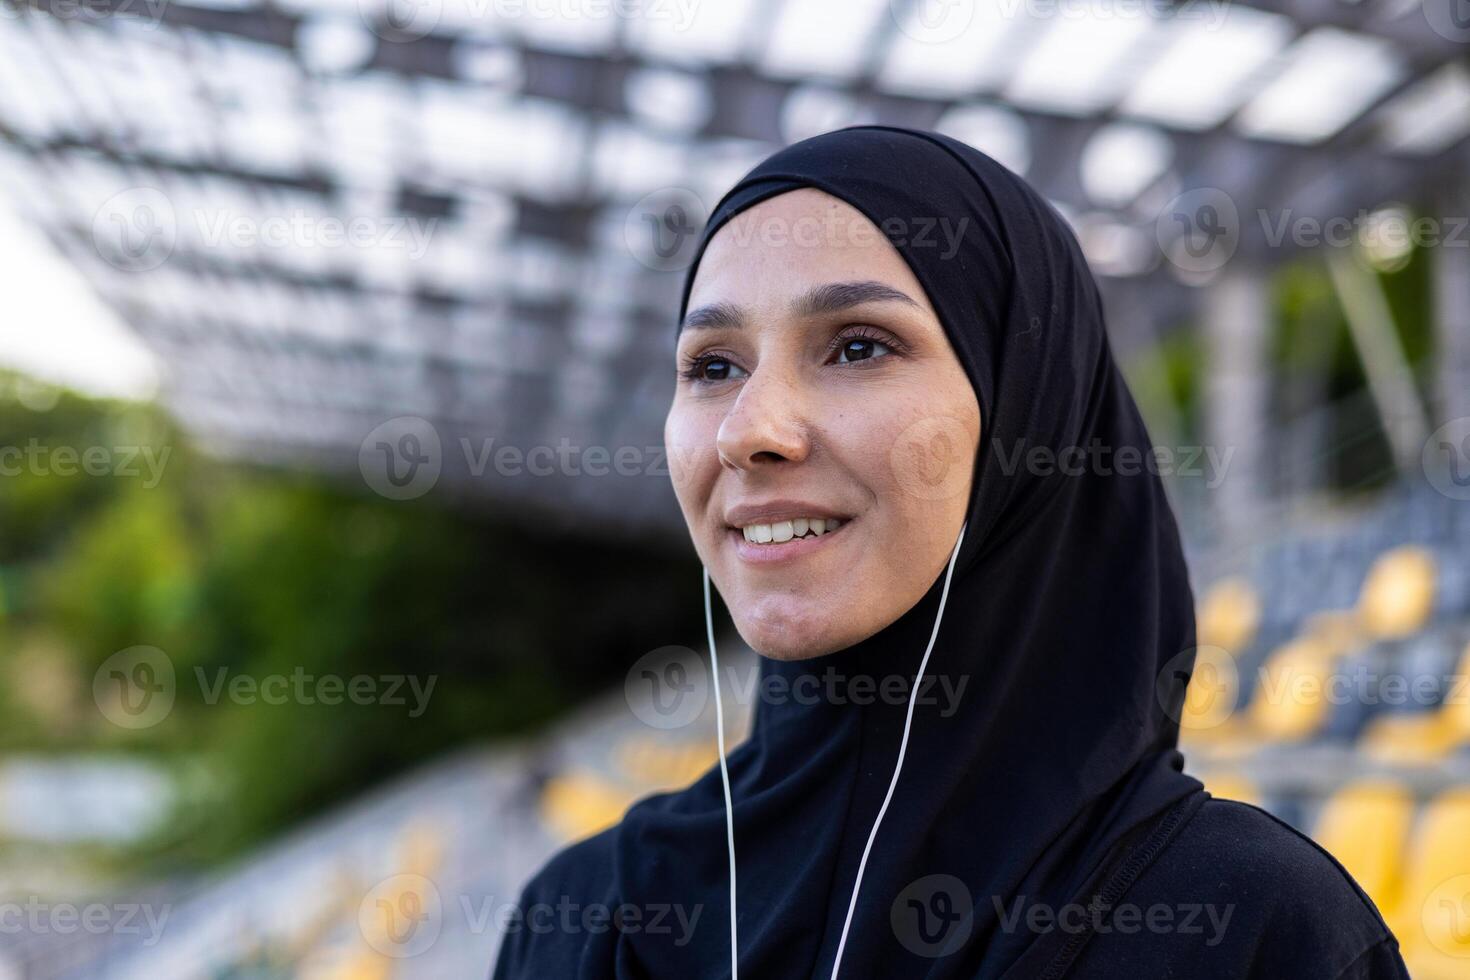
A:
(1446, 459)
(1446, 916)
(566, 458)
(136, 229)
(135, 688)
(402, 916)
(937, 692)
(833, 229)
(662, 230)
(303, 228)
(931, 459)
(1384, 233)
(133, 462)
(668, 687)
(1214, 684)
(146, 12)
(933, 21)
(1199, 230)
(568, 918)
(34, 917)
(409, 691)
(934, 916)
(412, 20)
(1097, 458)
(1449, 19)
(401, 21)
(402, 458)
(1159, 918)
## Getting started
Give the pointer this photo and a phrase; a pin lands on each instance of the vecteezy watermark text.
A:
(136, 688)
(139, 228)
(35, 917)
(669, 688)
(150, 12)
(834, 228)
(403, 916)
(1100, 459)
(564, 459)
(37, 459)
(299, 687)
(568, 917)
(410, 20)
(1384, 228)
(1187, 918)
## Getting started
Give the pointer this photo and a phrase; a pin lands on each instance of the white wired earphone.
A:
(903, 746)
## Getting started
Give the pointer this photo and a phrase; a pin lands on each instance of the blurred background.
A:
(336, 538)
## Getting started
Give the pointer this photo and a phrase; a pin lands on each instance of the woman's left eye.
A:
(861, 349)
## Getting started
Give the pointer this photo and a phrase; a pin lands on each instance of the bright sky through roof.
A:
(53, 326)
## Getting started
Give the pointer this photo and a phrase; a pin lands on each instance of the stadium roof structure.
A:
(325, 215)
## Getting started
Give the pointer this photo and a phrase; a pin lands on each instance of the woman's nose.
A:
(765, 425)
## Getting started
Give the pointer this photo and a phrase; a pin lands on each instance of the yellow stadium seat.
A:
(1432, 917)
(1228, 615)
(1290, 700)
(1422, 737)
(1398, 595)
(1456, 707)
(578, 804)
(1425, 736)
(655, 763)
(1365, 825)
(345, 963)
(1208, 723)
(380, 943)
(1339, 631)
(1428, 963)
(1214, 686)
(420, 849)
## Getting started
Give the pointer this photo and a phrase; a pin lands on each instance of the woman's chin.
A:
(784, 630)
(783, 651)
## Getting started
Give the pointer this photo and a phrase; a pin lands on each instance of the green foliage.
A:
(38, 503)
(1311, 334)
(256, 577)
(1409, 294)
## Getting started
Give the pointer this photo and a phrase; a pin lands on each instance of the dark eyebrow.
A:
(714, 315)
(833, 297)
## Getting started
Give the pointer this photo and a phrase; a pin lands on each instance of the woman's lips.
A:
(761, 554)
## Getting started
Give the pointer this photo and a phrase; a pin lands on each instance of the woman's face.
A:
(823, 433)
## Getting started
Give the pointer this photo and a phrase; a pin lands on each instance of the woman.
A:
(891, 343)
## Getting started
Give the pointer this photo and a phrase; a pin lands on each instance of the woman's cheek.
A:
(692, 456)
(931, 457)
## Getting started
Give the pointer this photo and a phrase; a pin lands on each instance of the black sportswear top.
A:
(1045, 827)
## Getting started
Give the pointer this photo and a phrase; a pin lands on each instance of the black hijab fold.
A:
(1070, 616)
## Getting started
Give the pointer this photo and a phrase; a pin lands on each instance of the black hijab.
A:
(1070, 619)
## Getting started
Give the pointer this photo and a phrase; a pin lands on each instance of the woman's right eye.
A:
(712, 367)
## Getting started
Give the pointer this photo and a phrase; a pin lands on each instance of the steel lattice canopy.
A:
(323, 216)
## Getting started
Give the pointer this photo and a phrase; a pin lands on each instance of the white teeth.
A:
(783, 531)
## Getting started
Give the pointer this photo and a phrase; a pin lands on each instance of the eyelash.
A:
(693, 365)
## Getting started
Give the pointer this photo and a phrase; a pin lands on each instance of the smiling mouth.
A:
(780, 532)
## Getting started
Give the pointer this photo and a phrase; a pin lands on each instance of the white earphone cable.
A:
(892, 785)
(714, 663)
(903, 746)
